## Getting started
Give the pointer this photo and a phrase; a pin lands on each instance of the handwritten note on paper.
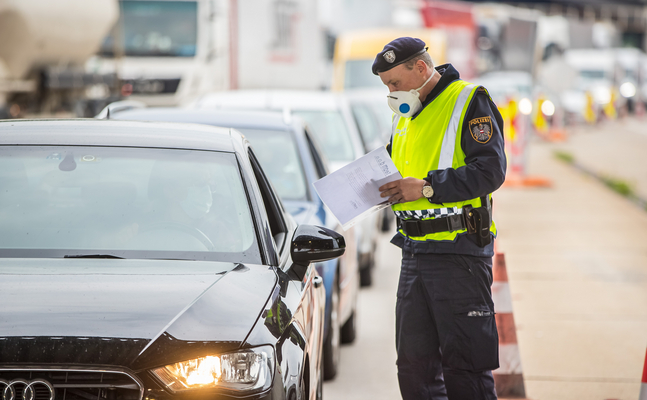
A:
(352, 192)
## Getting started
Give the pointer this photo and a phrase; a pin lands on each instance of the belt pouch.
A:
(481, 219)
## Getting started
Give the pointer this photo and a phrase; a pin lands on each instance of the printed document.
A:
(352, 192)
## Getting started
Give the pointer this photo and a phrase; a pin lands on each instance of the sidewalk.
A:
(577, 262)
(615, 149)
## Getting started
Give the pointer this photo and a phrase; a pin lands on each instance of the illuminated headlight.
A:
(628, 89)
(244, 370)
(525, 106)
(548, 108)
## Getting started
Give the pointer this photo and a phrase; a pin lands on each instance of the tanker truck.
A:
(43, 51)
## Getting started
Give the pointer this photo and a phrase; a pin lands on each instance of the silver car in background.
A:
(331, 120)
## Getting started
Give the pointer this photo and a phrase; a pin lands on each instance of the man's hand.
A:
(403, 190)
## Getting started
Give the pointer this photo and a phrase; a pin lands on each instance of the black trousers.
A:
(446, 335)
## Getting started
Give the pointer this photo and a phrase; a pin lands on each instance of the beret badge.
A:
(389, 56)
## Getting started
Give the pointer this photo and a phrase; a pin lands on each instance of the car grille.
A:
(69, 384)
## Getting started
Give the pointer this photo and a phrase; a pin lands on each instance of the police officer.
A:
(448, 145)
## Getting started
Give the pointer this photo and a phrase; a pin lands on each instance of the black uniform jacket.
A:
(483, 174)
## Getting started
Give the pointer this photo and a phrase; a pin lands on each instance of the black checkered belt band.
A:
(416, 227)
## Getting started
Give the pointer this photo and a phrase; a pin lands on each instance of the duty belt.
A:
(416, 227)
(476, 221)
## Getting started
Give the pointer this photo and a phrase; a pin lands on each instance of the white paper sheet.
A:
(352, 192)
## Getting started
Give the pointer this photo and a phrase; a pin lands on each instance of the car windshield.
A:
(358, 75)
(155, 28)
(330, 129)
(592, 74)
(124, 202)
(279, 158)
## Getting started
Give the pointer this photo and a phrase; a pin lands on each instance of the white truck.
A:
(169, 52)
(43, 48)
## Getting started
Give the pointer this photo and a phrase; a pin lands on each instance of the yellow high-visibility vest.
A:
(430, 142)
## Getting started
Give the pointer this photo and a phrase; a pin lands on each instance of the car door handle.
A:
(318, 281)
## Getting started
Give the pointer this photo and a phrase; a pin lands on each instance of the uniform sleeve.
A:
(484, 156)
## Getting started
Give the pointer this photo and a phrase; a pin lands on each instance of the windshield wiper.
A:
(91, 256)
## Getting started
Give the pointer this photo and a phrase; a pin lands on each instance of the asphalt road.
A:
(367, 368)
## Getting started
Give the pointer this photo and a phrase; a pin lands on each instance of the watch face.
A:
(427, 191)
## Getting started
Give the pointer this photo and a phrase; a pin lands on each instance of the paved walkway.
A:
(367, 368)
(577, 263)
(613, 149)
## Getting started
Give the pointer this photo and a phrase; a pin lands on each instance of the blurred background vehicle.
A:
(168, 52)
(596, 72)
(42, 53)
(356, 50)
(291, 158)
(630, 77)
(330, 118)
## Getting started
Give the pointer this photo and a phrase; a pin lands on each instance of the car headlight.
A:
(628, 89)
(243, 370)
(525, 106)
(548, 108)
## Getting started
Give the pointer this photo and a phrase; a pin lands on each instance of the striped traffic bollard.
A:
(508, 377)
(643, 385)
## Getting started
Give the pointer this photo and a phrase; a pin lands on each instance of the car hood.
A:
(126, 312)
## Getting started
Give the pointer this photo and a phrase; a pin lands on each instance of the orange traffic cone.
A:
(508, 378)
(643, 386)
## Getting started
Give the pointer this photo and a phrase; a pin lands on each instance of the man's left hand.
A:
(403, 190)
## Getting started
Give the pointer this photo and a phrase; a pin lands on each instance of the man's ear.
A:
(421, 66)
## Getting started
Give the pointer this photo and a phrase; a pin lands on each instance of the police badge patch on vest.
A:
(481, 129)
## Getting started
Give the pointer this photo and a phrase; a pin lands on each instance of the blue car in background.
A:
(292, 160)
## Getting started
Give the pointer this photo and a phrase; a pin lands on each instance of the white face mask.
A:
(407, 104)
(198, 201)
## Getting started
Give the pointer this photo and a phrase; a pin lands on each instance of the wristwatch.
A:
(427, 190)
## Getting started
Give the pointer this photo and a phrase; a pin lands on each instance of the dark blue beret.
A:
(398, 51)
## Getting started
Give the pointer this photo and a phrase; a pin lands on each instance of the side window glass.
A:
(316, 156)
(273, 206)
(367, 125)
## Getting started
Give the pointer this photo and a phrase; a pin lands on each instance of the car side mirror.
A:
(312, 243)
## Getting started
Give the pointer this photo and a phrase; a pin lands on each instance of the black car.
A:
(152, 261)
(293, 162)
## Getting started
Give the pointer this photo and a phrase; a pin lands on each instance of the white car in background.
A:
(596, 73)
(330, 118)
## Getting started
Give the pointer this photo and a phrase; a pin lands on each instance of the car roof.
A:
(271, 99)
(92, 132)
(238, 119)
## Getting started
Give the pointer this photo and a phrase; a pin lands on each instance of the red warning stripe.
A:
(645, 369)
(506, 328)
(499, 273)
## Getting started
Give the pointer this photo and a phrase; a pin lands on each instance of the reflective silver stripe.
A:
(396, 119)
(449, 140)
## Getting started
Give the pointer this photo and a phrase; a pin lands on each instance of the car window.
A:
(331, 131)
(273, 207)
(367, 124)
(127, 202)
(278, 155)
(358, 74)
(320, 166)
(155, 28)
